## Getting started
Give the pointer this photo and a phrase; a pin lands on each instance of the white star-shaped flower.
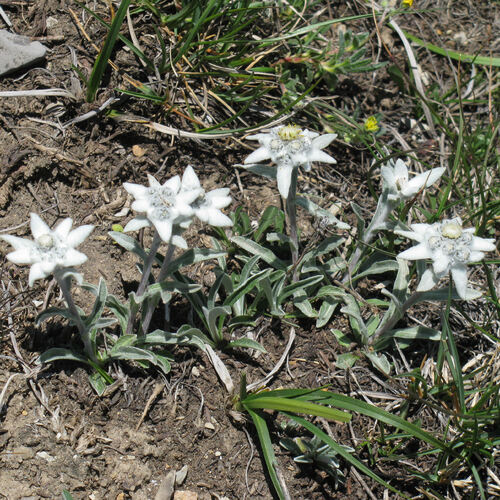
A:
(51, 250)
(398, 184)
(207, 205)
(450, 247)
(163, 206)
(290, 147)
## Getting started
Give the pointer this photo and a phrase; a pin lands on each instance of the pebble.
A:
(185, 495)
(18, 51)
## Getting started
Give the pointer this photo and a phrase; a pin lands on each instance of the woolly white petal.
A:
(153, 182)
(187, 197)
(388, 176)
(73, 258)
(420, 228)
(418, 252)
(400, 170)
(178, 241)
(21, 256)
(174, 184)
(258, 155)
(440, 263)
(323, 140)
(63, 228)
(218, 198)
(318, 155)
(16, 242)
(459, 275)
(164, 228)
(422, 180)
(190, 179)
(38, 227)
(141, 205)
(36, 273)
(284, 178)
(475, 257)
(78, 235)
(138, 223)
(257, 137)
(214, 217)
(428, 281)
(136, 190)
(482, 244)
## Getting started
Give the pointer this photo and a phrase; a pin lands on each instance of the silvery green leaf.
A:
(129, 243)
(183, 336)
(123, 340)
(255, 249)
(345, 361)
(321, 213)
(213, 293)
(211, 316)
(50, 312)
(99, 303)
(355, 319)
(246, 343)
(371, 325)
(192, 256)
(442, 295)
(343, 339)
(361, 221)
(281, 238)
(98, 383)
(406, 334)
(302, 303)
(104, 323)
(378, 268)
(137, 354)
(170, 287)
(119, 310)
(246, 286)
(326, 310)
(298, 285)
(242, 320)
(379, 361)
(59, 353)
(263, 170)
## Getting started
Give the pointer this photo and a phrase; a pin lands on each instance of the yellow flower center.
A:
(289, 132)
(451, 230)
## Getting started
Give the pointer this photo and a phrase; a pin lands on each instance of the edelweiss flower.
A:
(450, 247)
(207, 205)
(163, 206)
(396, 180)
(51, 250)
(290, 147)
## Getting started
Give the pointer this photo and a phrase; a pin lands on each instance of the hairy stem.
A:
(291, 210)
(65, 286)
(151, 304)
(146, 271)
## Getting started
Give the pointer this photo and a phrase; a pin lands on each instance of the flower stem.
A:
(384, 208)
(146, 271)
(151, 304)
(64, 285)
(291, 210)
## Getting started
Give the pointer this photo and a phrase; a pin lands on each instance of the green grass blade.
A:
(296, 406)
(458, 56)
(103, 57)
(267, 451)
(343, 453)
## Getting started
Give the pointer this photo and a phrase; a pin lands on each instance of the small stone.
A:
(210, 426)
(217, 453)
(45, 456)
(18, 51)
(185, 495)
(180, 476)
(137, 151)
(195, 372)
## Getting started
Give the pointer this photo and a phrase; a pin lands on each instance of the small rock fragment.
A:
(18, 51)
(185, 495)
(166, 489)
(180, 476)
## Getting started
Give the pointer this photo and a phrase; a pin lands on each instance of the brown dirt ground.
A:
(55, 433)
